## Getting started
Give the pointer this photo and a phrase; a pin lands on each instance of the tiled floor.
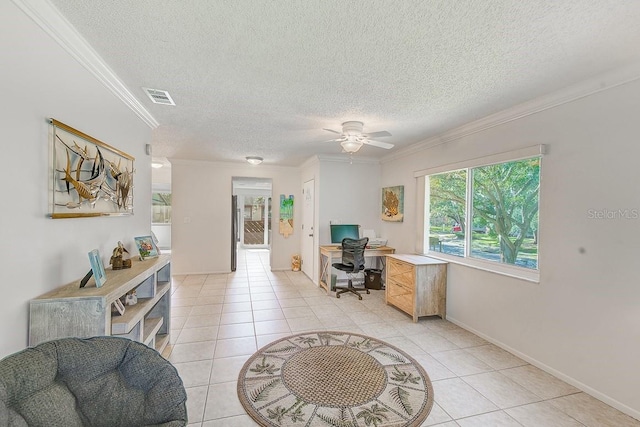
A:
(219, 320)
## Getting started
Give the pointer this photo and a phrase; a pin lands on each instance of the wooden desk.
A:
(332, 253)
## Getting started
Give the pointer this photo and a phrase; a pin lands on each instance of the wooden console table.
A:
(332, 253)
(417, 285)
(71, 311)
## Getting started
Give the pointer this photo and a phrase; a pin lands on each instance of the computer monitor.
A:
(340, 231)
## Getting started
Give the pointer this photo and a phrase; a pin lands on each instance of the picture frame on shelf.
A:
(97, 268)
(119, 306)
(146, 247)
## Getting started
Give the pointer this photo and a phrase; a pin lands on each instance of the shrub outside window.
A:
(501, 201)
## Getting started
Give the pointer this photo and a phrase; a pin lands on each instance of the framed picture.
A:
(146, 247)
(119, 306)
(393, 204)
(89, 178)
(97, 267)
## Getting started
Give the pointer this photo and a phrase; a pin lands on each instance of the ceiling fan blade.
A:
(378, 143)
(377, 134)
(331, 130)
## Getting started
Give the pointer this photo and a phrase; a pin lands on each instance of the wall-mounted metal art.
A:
(90, 178)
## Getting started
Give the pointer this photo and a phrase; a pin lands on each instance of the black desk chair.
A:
(352, 263)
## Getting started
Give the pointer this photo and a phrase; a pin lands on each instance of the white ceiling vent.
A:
(158, 96)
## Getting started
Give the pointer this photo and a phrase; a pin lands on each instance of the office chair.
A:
(352, 263)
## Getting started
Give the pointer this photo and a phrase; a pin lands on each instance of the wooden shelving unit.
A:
(71, 311)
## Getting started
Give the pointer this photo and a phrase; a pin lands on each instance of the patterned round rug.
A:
(334, 379)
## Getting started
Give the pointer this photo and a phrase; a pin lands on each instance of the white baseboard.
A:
(570, 380)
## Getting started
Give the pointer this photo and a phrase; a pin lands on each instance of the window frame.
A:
(527, 274)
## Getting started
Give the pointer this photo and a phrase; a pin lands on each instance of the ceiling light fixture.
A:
(352, 144)
(254, 160)
(156, 165)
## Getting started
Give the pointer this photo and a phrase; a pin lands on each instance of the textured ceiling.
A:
(263, 77)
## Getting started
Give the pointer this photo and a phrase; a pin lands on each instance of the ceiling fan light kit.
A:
(352, 138)
(254, 160)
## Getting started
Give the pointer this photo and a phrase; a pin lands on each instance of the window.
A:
(161, 208)
(488, 213)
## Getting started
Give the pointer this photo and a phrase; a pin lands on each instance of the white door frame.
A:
(308, 233)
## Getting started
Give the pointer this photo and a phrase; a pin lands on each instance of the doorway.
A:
(251, 215)
(308, 232)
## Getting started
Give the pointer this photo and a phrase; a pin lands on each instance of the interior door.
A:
(234, 232)
(308, 233)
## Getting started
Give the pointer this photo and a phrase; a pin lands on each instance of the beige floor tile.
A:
(206, 309)
(406, 345)
(196, 400)
(461, 363)
(265, 305)
(272, 327)
(308, 323)
(333, 322)
(237, 317)
(237, 421)
(432, 343)
(459, 399)
(202, 320)
(236, 307)
(188, 335)
(237, 298)
(235, 347)
(292, 302)
(227, 369)
(539, 382)
(492, 419)
(236, 330)
(274, 305)
(263, 340)
(272, 314)
(194, 374)
(266, 296)
(435, 370)
(293, 312)
(462, 338)
(379, 330)
(500, 390)
(593, 413)
(542, 414)
(222, 402)
(190, 352)
(364, 317)
(495, 357)
(436, 416)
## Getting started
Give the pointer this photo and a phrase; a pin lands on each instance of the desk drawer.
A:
(401, 272)
(400, 295)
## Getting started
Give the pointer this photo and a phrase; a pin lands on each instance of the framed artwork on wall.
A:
(89, 177)
(393, 204)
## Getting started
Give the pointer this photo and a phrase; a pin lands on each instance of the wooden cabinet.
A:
(416, 285)
(71, 311)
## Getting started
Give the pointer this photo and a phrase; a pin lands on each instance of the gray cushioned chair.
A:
(99, 381)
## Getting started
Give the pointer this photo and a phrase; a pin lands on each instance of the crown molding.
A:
(569, 94)
(45, 15)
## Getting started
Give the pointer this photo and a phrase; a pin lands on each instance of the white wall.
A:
(348, 193)
(40, 80)
(201, 212)
(345, 192)
(582, 321)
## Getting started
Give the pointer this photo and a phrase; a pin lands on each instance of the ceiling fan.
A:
(352, 138)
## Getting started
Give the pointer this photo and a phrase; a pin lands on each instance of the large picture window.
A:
(489, 213)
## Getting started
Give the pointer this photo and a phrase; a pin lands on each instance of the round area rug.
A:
(334, 379)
